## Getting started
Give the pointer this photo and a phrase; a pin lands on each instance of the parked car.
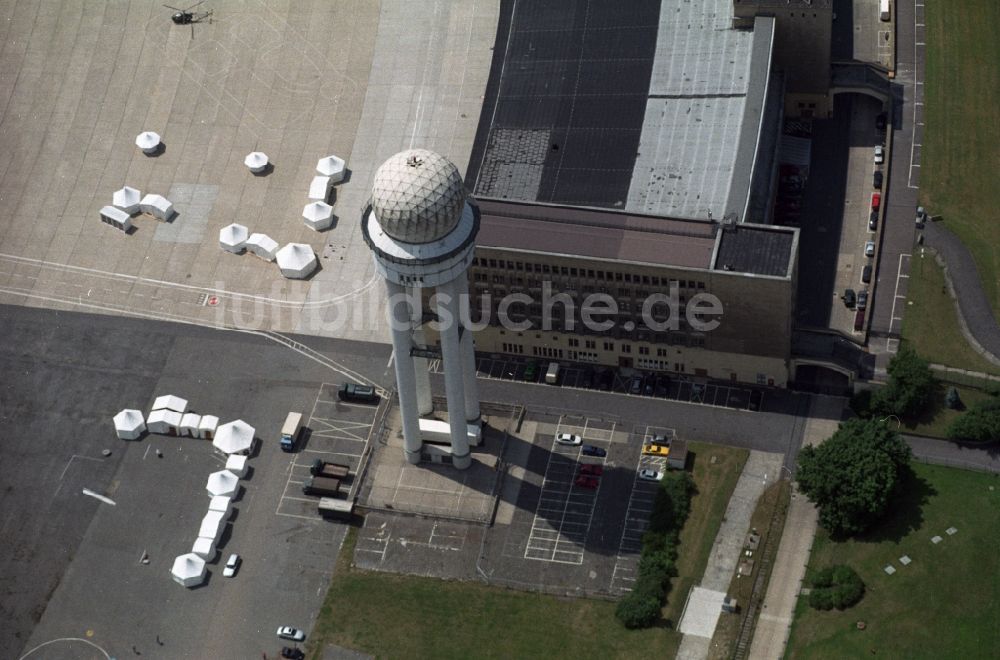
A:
(879, 155)
(876, 200)
(531, 372)
(880, 121)
(859, 320)
(591, 450)
(921, 216)
(592, 470)
(292, 654)
(877, 180)
(870, 249)
(863, 299)
(658, 439)
(587, 482)
(662, 384)
(294, 634)
(568, 439)
(232, 565)
(866, 274)
(650, 475)
(655, 450)
(873, 221)
(849, 297)
(635, 386)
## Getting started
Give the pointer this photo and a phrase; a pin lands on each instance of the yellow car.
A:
(655, 450)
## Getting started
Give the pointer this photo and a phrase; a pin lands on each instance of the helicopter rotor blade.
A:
(174, 8)
(194, 5)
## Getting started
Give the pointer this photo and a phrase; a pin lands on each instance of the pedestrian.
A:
(158, 640)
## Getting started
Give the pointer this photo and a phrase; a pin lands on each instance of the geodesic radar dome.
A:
(418, 196)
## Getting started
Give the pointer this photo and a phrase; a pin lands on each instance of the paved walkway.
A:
(775, 621)
(974, 307)
(698, 622)
(985, 458)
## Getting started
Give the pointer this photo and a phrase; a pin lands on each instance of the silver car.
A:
(294, 634)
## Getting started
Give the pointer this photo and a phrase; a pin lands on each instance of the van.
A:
(358, 393)
(884, 11)
(290, 431)
(859, 320)
(552, 375)
(866, 275)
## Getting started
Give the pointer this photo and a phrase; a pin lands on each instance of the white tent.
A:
(157, 206)
(320, 187)
(222, 482)
(212, 525)
(170, 402)
(204, 547)
(222, 504)
(188, 570)
(256, 161)
(318, 215)
(263, 246)
(206, 429)
(233, 238)
(116, 218)
(332, 167)
(167, 422)
(234, 437)
(189, 424)
(148, 141)
(296, 260)
(237, 464)
(127, 199)
(129, 424)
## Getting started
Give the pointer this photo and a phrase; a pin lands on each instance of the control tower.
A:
(422, 234)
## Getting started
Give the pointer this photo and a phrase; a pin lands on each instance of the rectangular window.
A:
(626, 348)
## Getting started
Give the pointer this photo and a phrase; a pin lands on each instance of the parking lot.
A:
(675, 387)
(337, 432)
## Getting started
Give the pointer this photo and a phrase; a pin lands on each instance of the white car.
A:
(294, 634)
(879, 155)
(921, 216)
(232, 565)
(870, 249)
(568, 439)
(650, 475)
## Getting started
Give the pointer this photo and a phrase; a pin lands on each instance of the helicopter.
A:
(189, 17)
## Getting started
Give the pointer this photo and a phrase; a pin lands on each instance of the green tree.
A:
(911, 385)
(852, 476)
(980, 424)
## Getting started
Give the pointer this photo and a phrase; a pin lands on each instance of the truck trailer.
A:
(321, 486)
(321, 468)
(437, 432)
(333, 509)
(290, 431)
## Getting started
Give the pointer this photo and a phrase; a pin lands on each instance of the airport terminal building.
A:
(629, 159)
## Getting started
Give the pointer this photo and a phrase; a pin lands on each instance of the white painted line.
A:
(106, 500)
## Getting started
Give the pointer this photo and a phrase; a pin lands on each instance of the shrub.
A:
(638, 610)
(980, 424)
(861, 403)
(836, 587)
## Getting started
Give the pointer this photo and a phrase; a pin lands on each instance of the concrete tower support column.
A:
(406, 381)
(472, 412)
(425, 404)
(454, 385)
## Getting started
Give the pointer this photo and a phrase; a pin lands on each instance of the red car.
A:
(876, 200)
(595, 470)
(584, 481)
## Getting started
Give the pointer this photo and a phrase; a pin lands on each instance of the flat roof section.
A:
(694, 133)
(565, 103)
(756, 249)
(595, 233)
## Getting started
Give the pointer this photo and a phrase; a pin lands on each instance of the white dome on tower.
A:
(417, 196)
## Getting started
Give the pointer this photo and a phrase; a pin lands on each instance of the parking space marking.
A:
(896, 296)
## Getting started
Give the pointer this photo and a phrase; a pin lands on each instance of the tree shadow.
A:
(905, 513)
(928, 413)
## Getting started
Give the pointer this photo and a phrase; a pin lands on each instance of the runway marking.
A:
(67, 639)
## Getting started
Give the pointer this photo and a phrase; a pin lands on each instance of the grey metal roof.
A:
(695, 116)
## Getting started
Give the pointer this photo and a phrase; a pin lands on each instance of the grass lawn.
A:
(400, 616)
(937, 417)
(930, 325)
(946, 604)
(960, 157)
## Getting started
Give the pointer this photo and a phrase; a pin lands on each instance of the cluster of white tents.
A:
(170, 416)
(317, 214)
(129, 202)
(295, 260)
